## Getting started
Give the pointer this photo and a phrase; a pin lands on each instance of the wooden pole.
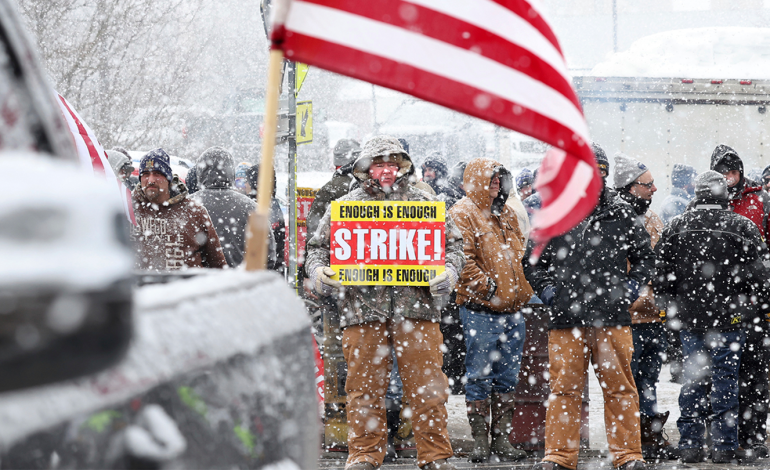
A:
(256, 238)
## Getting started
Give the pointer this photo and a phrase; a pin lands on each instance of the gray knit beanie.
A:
(627, 170)
(346, 151)
(710, 185)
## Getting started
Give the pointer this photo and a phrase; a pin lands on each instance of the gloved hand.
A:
(547, 295)
(662, 315)
(444, 283)
(633, 289)
(322, 282)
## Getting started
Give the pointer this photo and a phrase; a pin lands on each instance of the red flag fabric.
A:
(319, 374)
(497, 60)
(91, 154)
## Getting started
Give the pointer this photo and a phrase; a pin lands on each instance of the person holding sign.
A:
(379, 314)
(491, 291)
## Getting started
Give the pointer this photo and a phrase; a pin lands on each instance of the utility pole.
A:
(292, 170)
(614, 25)
(376, 126)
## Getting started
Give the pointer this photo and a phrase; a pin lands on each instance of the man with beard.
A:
(747, 198)
(379, 318)
(435, 173)
(635, 185)
(172, 232)
(584, 277)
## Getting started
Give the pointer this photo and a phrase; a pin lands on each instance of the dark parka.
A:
(588, 267)
(229, 210)
(709, 266)
(277, 221)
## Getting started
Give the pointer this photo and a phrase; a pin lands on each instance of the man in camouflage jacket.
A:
(376, 318)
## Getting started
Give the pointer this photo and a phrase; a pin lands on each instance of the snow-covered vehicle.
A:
(65, 279)
(674, 96)
(101, 367)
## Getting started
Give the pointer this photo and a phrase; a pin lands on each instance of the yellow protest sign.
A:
(390, 243)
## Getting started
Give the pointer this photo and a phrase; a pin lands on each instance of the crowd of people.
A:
(626, 290)
(201, 224)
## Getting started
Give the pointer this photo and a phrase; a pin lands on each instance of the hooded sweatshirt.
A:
(176, 235)
(746, 197)
(493, 279)
(362, 304)
(228, 208)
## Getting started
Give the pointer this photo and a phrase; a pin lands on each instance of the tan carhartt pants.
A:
(366, 348)
(610, 349)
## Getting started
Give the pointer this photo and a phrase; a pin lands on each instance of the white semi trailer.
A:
(663, 121)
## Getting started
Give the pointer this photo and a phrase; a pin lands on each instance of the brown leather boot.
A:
(654, 445)
(502, 417)
(478, 417)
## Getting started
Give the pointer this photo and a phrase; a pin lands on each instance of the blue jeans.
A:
(710, 358)
(494, 343)
(650, 344)
(395, 387)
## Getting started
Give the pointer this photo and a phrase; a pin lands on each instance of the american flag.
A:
(91, 154)
(497, 60)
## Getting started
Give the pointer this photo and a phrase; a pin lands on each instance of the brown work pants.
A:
(610, 349)
(367, 350)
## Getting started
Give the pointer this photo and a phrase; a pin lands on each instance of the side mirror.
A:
(65, 280)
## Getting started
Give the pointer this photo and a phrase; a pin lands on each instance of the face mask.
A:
(640, 205)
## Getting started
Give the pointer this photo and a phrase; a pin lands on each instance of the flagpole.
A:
(256, 239)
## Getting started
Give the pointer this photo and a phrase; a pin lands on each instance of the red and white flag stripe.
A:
(497, 60)
(91, 154)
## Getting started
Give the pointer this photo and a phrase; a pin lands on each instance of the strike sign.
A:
(387, 243)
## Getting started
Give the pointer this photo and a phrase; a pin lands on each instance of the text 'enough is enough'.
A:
(391, 245)
(387, 212)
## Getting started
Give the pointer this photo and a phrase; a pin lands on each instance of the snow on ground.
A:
(718, 53)
(668, 400)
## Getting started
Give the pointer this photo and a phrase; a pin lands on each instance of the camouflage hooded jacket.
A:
(362, 304)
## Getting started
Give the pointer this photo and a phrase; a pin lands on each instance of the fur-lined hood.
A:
(387, 147)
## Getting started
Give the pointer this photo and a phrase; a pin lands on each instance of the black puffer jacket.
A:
(709, 266)
(229, 210)
(588, 265)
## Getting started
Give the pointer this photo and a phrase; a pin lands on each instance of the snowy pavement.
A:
(668, 400)
(460, 433)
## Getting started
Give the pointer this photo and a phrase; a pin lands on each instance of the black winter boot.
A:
(654, 444)
(393, 415)
(695, 455)
(478, 417)
(502, 417)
